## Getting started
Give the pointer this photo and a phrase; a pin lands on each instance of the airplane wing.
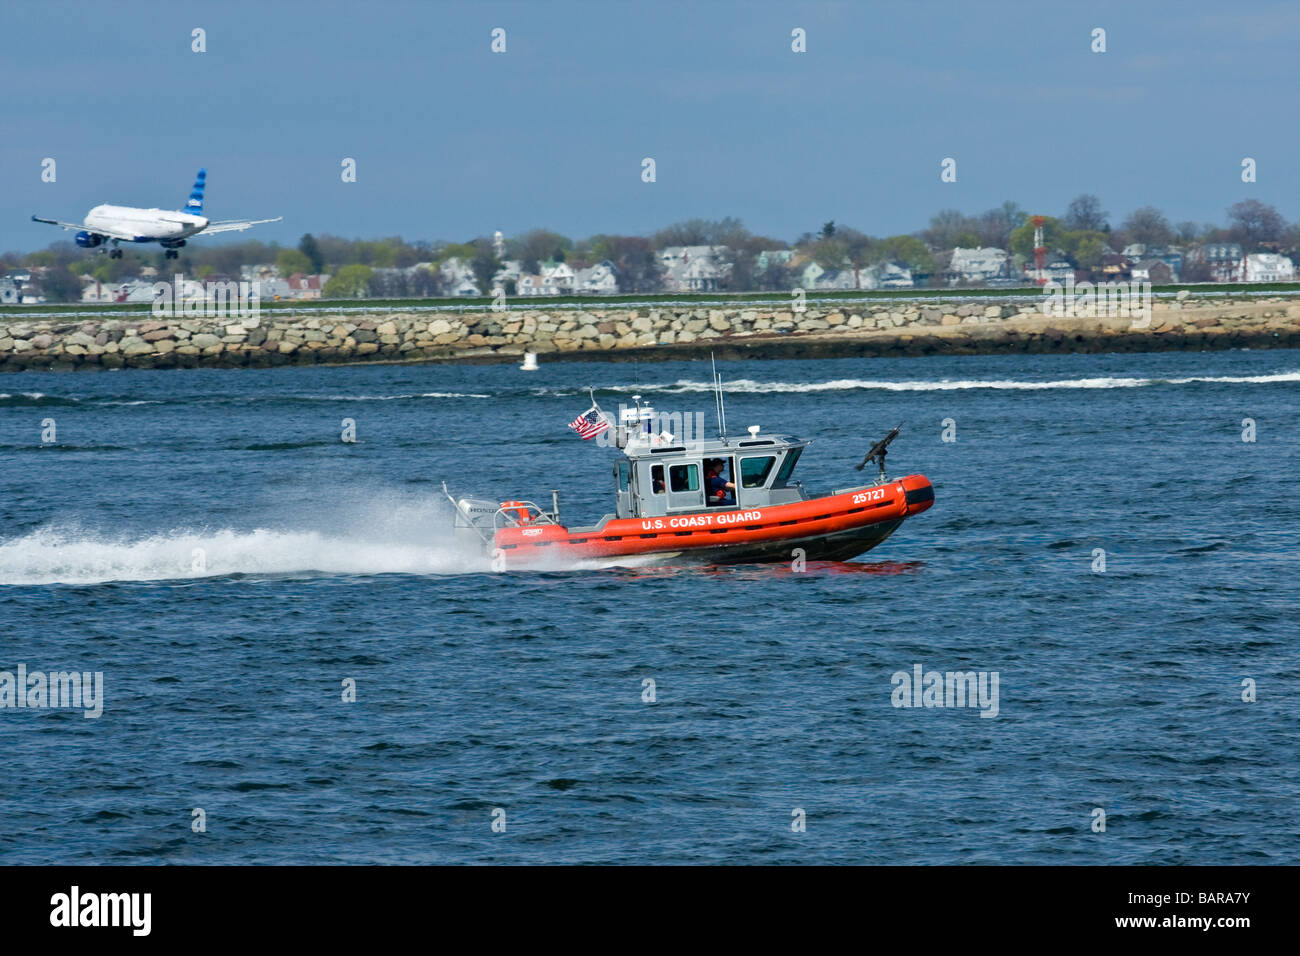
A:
(232, 225)
(107, 233)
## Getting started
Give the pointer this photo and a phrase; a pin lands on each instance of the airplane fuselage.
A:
(144, 225)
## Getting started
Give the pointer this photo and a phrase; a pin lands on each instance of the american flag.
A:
(590, 423)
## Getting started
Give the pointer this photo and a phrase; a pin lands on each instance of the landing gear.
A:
(115, 253)
(171, 254)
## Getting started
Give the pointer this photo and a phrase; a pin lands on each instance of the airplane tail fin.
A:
(195, 203)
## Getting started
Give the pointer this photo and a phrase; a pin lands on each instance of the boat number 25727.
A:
(875, 494)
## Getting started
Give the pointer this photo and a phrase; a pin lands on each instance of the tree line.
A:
(383, 267)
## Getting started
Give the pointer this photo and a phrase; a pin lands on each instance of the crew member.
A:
(721, 491)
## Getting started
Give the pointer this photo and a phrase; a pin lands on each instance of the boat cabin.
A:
(659, 476)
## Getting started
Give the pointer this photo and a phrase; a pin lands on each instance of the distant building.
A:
(694, 268)
(10, 291)
(977, 265)
(306, 287)
(562, 276)
(600, 279)
(1269, 267)
(458, 278)
(1114, 267)
(885, 275)
(529, 284)
(836, 280)
(1224, 260)
(96, 292)
(1155, 271)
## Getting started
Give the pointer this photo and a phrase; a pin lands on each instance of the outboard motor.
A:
(476, 519)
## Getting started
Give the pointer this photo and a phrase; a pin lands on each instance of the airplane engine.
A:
(88, 240)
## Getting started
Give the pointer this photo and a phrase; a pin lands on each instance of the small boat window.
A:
(622, 476)
(754, 471)
(787, 466)
(657, 479)
(684, 477)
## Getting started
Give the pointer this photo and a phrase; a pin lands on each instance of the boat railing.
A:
(508, 515)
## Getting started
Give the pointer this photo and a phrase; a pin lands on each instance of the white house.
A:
(694, 268)
(562, 276)
(977, 265)
(600, 279)
(10, 294)
(94, 292)
(835, 280)
(1269, 267)
(529, 284)
(885, 275)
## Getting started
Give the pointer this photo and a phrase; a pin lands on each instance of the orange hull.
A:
(755, 534)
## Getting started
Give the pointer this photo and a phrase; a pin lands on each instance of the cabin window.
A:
(622, 476)
(754, 471)
(657, 479)
(787, 466)
(684, 477)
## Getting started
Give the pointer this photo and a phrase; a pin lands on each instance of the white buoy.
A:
(530, 362)
(753, 430)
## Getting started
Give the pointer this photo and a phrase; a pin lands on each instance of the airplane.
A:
(170, 229)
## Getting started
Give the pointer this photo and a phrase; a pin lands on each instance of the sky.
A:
(453, 141)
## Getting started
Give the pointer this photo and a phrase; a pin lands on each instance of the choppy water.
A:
(320, 561)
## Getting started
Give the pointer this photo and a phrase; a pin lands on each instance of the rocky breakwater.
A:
(864, 327)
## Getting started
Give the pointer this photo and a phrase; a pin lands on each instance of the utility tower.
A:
(1040, 251)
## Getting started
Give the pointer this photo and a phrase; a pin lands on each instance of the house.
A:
(694, 268)
(1155, 271)
(306, 287)
(1173, 258)
(836, 280)
(529, 284)
(562, 276)
(1269, 267)
(94, 292)
(1134, 252)
(10, 292)
(1224, 260)
(977, 265)
(600, 279)
(274, 289)
(809, 276)
(1060, 269)
(885, 275)
(1114, 267)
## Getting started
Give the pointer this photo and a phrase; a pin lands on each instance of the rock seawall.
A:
(875, 327)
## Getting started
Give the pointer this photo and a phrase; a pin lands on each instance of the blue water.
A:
(320, 561)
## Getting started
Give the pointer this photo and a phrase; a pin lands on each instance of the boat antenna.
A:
(720, 405)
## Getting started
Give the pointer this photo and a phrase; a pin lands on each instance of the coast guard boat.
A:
(667, 510)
